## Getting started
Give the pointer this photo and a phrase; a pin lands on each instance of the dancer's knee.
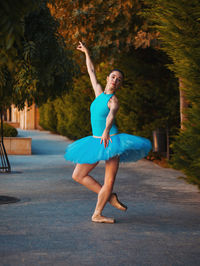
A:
(76, 177)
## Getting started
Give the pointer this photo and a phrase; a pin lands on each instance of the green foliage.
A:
(9, 131)
(6, 87)
(179, 24)
(38, 63)
(186, 146)
(72, 111)
(47, 68)
(149, 98)
(12, 13)
(179, 27)
(48, 116)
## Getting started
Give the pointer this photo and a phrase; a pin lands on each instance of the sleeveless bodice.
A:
(99, 111)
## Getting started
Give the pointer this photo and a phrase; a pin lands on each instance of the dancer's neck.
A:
(109, 91)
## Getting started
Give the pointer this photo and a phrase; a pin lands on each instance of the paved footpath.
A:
(51, 224)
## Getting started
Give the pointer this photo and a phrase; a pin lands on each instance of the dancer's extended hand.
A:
(105, 138)
(81, 47)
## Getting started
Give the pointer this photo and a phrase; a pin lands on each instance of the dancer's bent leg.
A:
(106, 190)
(81, 175)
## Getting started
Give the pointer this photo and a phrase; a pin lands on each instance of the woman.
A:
(105, 144)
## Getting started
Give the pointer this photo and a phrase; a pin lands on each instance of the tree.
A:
(178, 22)
(173, 27)
(104, 25)
(12, 14)
(34, 53)
(35, 64)
(47, 69)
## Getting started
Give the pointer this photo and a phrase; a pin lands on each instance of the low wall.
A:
(17, 145)
(14, 124)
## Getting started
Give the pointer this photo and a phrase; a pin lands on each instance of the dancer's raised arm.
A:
(91, 71)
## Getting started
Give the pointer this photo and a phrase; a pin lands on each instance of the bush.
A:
(73, 110)
(70, 115)
(9, 131)
(48, 116)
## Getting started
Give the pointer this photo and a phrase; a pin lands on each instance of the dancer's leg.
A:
(105, 192)
(81, 176)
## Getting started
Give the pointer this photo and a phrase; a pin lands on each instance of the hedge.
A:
(9, 131)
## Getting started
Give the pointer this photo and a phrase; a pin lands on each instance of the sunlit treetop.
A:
(100, 24)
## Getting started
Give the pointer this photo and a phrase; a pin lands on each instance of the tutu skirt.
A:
(89, 150)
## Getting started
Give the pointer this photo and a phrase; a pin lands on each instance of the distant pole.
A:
(5, 164)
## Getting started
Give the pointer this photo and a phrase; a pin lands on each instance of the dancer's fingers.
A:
(80, 45)
(105, 143)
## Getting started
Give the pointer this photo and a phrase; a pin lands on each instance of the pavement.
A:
(51, 224)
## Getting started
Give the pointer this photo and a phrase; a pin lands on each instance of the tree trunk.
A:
(183, 103)
(4, 162)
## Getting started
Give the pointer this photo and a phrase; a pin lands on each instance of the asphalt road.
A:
(51, 225)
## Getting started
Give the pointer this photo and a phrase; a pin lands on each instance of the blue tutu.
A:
(129, 148)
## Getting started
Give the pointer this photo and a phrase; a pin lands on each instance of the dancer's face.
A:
(114, 80)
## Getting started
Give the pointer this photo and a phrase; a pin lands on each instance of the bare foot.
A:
(116, 203)
(97, 218)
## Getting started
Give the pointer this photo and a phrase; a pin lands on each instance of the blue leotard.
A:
(99, 111)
